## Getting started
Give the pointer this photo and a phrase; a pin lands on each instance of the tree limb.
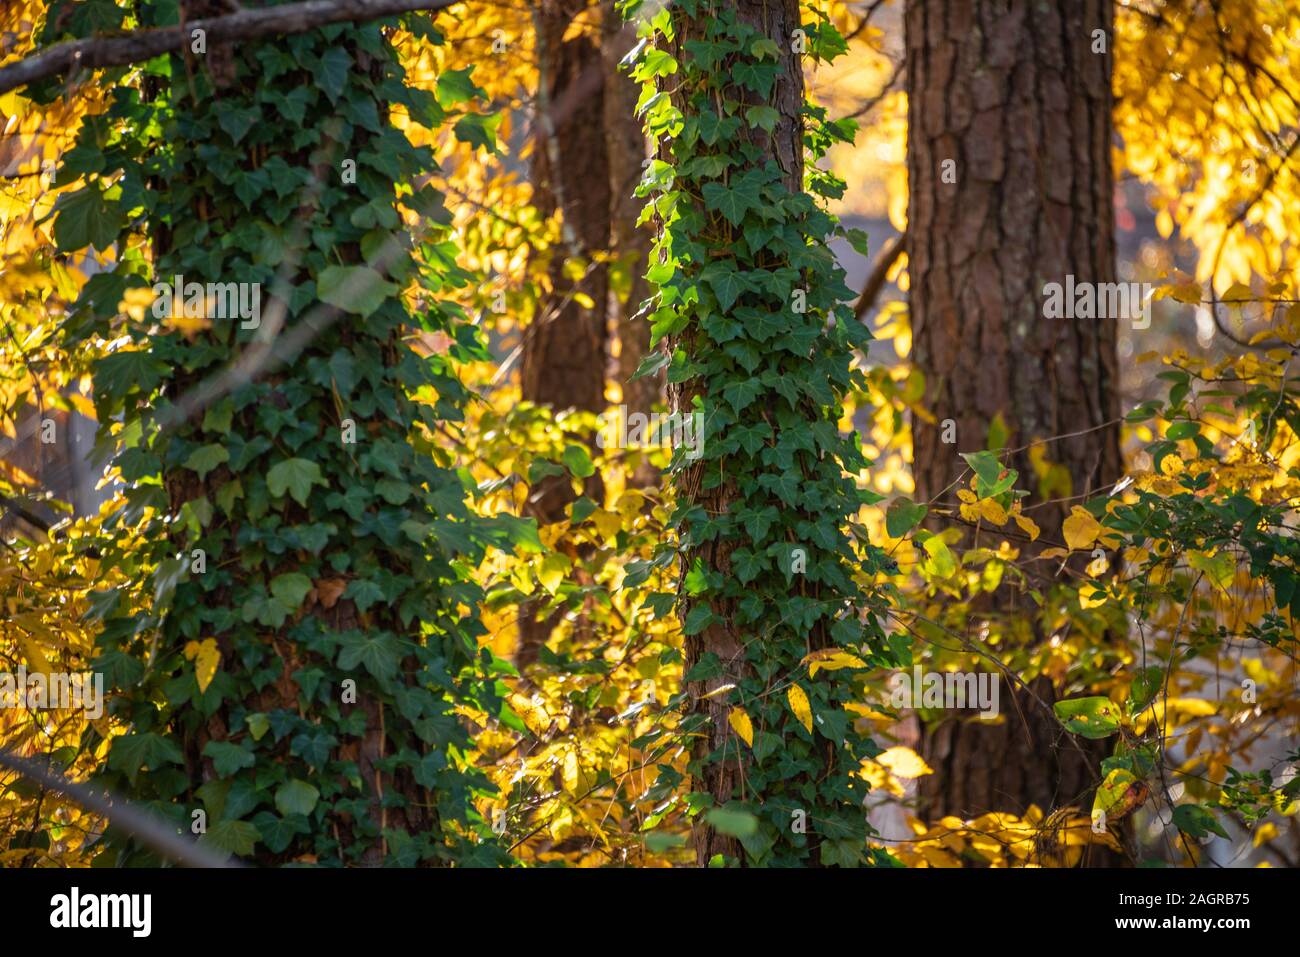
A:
(105, 51)
(876, 280)
(156, 834)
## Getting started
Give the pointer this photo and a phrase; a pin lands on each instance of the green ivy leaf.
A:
(332, 74)
(227, 758)
(295, 476)
(296, 797)
(85, 218)
(206, 458)
(356, 289)
(1197, 821)
(733, 201)
(290, 589)
(233, 837)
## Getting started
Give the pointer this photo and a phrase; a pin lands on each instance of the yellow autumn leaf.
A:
(607, 523)
(798, 700)
(1027, 525)
(552, 571)
(830, 659)
(741, 724)
(1094, 599)
(904, 762)
(1080, 529)
(991, 511)
(206, 658)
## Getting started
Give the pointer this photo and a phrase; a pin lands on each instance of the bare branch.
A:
(105, 51)
(145, 828)
(876, 281)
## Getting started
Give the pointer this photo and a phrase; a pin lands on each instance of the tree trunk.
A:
(342, 631)
(1012, 93)
(626, 147)
(750, 753)
(564, 352)
(566, 346)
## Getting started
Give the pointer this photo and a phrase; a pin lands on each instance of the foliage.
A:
(402, 562)
(307, 621)
(749, 307)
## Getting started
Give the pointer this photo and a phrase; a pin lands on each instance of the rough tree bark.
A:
(1012, 92)
(626, 148)
(566, 347)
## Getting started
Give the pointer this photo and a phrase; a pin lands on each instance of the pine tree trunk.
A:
(1011, 92)
(566, 346)
(626, 147)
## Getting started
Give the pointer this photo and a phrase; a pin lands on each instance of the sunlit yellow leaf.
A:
(741, 724)
(798, 700)
(1080, 529)
(904, 762)
(206, 657)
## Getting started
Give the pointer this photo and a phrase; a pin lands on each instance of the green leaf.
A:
(655, 63)
(725, 283)
(903, 516)
(233, 837)
(1197, 821)
(356, 289)
(650, 365)
(277, 833)
(985, 465)
(393, 491)
(132, 753)
(1093, 717)
(295, 476)
(380, 653)
(121, 372)
(940, 562)
(733, 823)
(764, 117)
(206, 458)
(332, 74)
(363, 593)
(227, 758)
(578, 461)
(85, 218)
(732, 201)
(455, 87)
(296, 797)
(740, 394)
(1182, 430)
(478, 129)
(290, 589)
(237, 121)
(698, 618)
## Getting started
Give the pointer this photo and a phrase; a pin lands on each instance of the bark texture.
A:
(1011, 92)
(626, 150)
(566, 346)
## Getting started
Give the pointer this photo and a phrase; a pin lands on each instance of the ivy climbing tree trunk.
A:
(1009, 143)
(751, 304)
(292, 696)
